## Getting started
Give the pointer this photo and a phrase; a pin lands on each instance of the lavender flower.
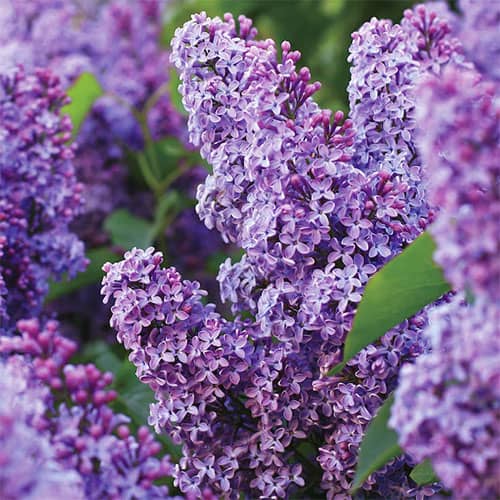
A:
(446, 406)
(28, 466)
(39, 194)
(459, 141)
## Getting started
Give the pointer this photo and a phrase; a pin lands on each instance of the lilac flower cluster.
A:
(459, 140)
(479, 31)
(39, 194)
(119, 42)
(195, 366)
(84, 433)
(447, 403)
(286, 187)
(28, 466)
(387, 62)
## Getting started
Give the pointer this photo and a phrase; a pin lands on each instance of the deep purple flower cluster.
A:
(314, 225)
(28, 466)
(39, 194)
(460, 144)
(447, 403)
(84, 434)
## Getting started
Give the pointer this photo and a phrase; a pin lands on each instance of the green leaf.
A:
(102, 356)
(379, 445)
(93, 274)
(399, 290)
(423, 473)
(166, 154)
(84, 92)
(175, 95)
(127, 230)
(167, 208)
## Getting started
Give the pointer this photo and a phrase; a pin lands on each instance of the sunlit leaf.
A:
(84, 92)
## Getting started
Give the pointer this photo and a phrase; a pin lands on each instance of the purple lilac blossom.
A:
(28, 465)
(117, 41)
(459, 141)
(387, 62)
(447, 403)
(213, 382)
(479, 32)
(236, 402)
(85, 434)
(314, 227)
(39, 193)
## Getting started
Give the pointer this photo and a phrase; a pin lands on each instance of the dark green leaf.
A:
(165, 154)
(102, 356)
(84, 92)
(127, 230)
(93, 274)
(379, 445)
(399, 290)
(423, 473)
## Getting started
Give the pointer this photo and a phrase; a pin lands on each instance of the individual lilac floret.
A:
(479, 33)
(85, 434)
(39, 194)
(459, 137)
(447, 403)
(28, 465)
